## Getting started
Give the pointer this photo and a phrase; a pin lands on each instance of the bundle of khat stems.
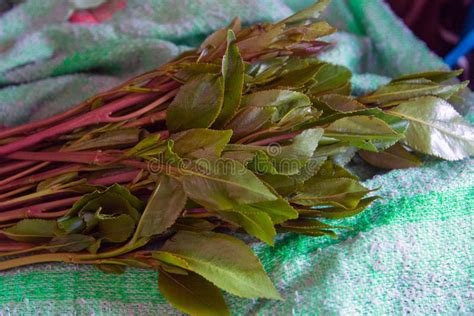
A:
(248, 134)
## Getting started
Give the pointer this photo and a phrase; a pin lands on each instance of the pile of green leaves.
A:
(248, 134)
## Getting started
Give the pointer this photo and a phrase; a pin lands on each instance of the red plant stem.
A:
(100, 115)
(38, 210)
(86, 157)
(15, 166)
(275, 139)
(145, 109)
(13, 192)
(23, 173)
(14, 246)
(252, 136)
(41, 123)
(116, 178)
(6, 132)
(41, 176)
(150, 119)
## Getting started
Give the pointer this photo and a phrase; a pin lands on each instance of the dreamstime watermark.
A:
(265, 160)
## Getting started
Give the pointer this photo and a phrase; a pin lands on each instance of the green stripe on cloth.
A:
(406, 236)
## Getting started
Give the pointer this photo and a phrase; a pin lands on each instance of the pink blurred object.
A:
(100, 14)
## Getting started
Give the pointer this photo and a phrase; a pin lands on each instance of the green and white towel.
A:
(409, 253)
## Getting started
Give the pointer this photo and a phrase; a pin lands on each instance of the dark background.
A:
(440, 24)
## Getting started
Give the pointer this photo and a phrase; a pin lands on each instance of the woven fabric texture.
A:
(411, 252)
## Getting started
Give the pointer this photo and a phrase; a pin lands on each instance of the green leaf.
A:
(278, 210)
(261, 163)
(250, 119)
(221, 184)
(114, 200)
(186, 71)
(31, 230)
(166, 154)
(201, 143)
(436, 75)
(365, 132)
(309, 14)
(288, 184)
(395, 157)
(276, 159)
(331, 103)
(116, 229)
(331, 79)
(436, 128)
(330, 170)
(146, 146)
(339, 192)
(233, 74)
(257, 224)
(297, 117)
(111, 268)
(70, 243)
(54, 181)
(197, 104)
(338, 212)
(276, 98)
(194, 224)
(397, 92)
(192, 294)
(264, 71)
(163, 207)
(310, 227)
(223, 260)
(291, 158)
(218, 38)
(112, 138)
(71, 225)
(297, 78)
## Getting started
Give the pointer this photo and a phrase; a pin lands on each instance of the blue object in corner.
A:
(467, 42)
